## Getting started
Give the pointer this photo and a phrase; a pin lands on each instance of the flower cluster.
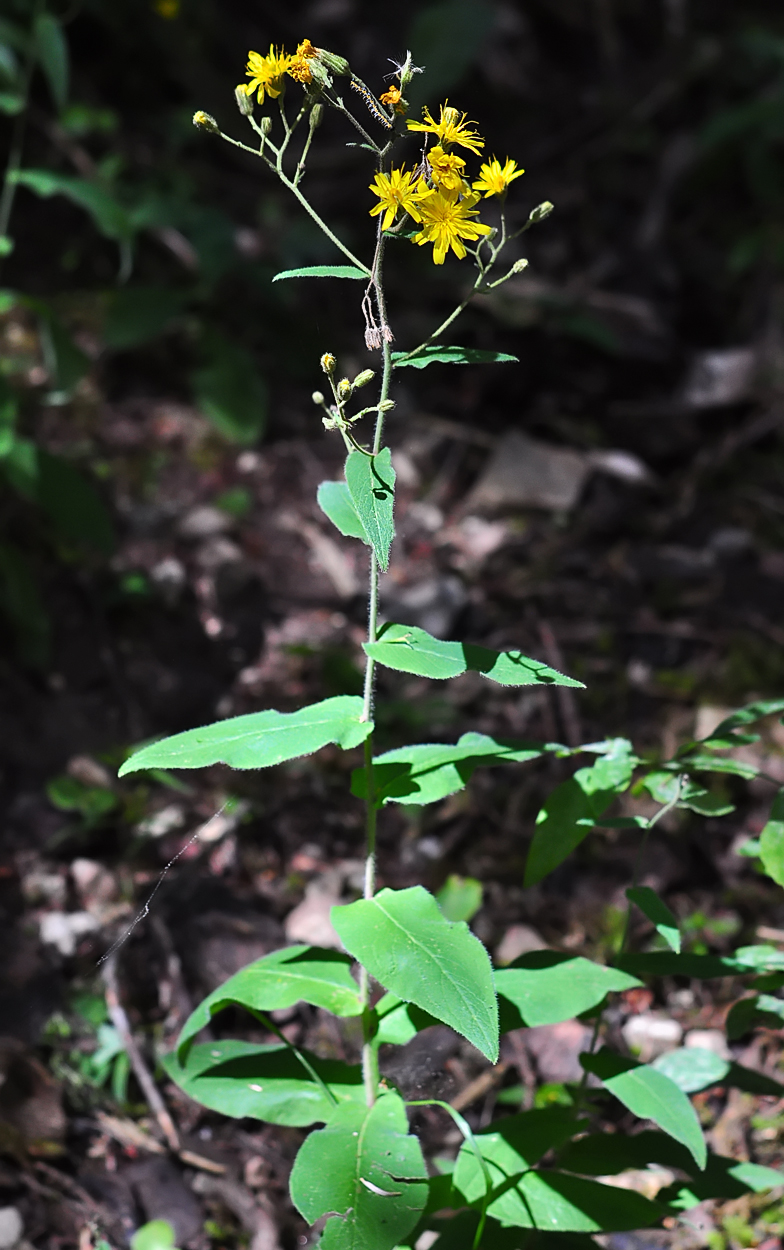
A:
(268, 73)
(437, 195)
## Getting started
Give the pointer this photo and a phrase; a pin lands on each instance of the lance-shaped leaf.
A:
(658, 913)
(259, 739)
(761, 1010)
(335, 502)
(409, 649)
(512, 1146)
(722, 1178)
(726, 735)
(405, 942)
(771, 847)
(324, 271)
(430, 771)
(576, 806)
(365, 1170)
(651, 1096)
(436, 353)
(371, 484)
(702, 763)
(545, 987)
(52, 52)
(279, 980)
(265, 1082)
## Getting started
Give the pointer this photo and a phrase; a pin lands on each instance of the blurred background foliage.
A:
(137, 252)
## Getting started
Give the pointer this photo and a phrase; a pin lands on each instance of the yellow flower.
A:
(393, 98)
(446, 170)
(266, 73)
(395, 190)
(446, 221)
(494, 178)
(298, 65)
(451, 128)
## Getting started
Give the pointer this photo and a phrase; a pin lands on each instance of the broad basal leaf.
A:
(366, 1171)
(371, 484)
(435, 353)
(334, 499)
(651, 1096)
(404, 942)
(259, 739)
(575, 807)
(324, 271)
(546, 987)
(430, 771)
(279, 980)
(411, 650)
(772, 841)
(658, 913)
(264, 1082)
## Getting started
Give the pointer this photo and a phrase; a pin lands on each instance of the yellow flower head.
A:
(266, 73)
(446, 170)
(393, 98)
(298, 64)
(398, 189)
(446, 221)
(450, 128)
(494, 178)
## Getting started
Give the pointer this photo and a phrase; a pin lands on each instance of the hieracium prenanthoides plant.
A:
(410, 960)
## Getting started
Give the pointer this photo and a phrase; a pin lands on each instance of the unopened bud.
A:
(362, 379)
(266, 126)
(205, 122)
(344, 388)
(318, 398)
(338, 64)
(540, 212)
(451, 115)
(244, 101)
(328, 363)
(386, 405)
(519, 265)
(316, 115)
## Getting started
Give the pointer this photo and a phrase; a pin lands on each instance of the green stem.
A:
(465, 1129)
(308, 207)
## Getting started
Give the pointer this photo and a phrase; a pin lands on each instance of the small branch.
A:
(147, 1085)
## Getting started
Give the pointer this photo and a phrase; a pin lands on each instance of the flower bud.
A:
(386, 405)
(266, 126)
(328, 363)
(318, 398)
(316, 115)
(362, 379)
(519, 265)
(204, 122)
(344, 389)
(244, 101)
(540, 212)
(338, 64)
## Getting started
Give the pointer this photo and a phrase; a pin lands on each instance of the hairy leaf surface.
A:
(371, 484)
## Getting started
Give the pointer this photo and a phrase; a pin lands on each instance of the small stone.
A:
(709, 1039)
(310, 921)
(63, 929)
(11, 1227)
(719, 378)
(204, 522)
(518, 940)
(525, 473)
(649, 1035)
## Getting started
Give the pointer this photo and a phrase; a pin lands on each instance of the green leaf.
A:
(259, 739)
(404, 942)
(155, 1235)
(334, 499)
(6, 242)
(546, 987)
(75, 507)
(438, 354)
(109, 216)
(264, 1082)
(324, 271)
(658, 913)
(398, 1022)
(747, 715)
(52, 52)
(512, 1146)
(771, 848)
(460, 897)
(366, 1171)
(668, 964)
(65, 362)
(722, 1178)
(296, 974)
(430, 771)
(758, 959)
(575, 807)
(371, 484)
(135, 315)
(717, 764)
(651, 1096)
(229, 390)
(750, 1013)
(692, 1068)
(408, 649)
